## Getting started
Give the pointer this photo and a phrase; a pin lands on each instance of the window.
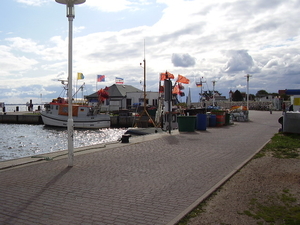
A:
(142, 100)
(154, 102)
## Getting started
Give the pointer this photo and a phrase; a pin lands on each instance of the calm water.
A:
(21, 140)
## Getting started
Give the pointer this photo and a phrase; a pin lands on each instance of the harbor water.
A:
(22, 140)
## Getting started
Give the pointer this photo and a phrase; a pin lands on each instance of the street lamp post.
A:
(248, 93)
(70, 14)
(214, 83)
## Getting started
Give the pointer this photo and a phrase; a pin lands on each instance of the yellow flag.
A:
(80, 76)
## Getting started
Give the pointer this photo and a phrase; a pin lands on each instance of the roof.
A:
(292, 91)
(117, 90)
(120, 90)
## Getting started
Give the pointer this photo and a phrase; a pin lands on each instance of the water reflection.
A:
(20, 140)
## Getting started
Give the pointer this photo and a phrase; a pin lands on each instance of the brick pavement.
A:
(149, 182)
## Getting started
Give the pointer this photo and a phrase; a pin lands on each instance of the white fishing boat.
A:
(84, 115)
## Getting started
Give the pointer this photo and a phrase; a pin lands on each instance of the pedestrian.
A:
(283, 106)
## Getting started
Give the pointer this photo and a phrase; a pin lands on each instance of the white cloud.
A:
(239, 61)
(33, 2)
(183, 60)
(78, 29)
(25, 45)
(10, 63)
(110, 6)
(221, 40)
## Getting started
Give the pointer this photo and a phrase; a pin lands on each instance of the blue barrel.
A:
(201, 122)
(213, 120)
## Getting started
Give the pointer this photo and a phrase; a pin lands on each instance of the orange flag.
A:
(182, 79)
(176, 90)
(166, 75)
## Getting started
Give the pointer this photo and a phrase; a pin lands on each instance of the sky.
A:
(214, 40)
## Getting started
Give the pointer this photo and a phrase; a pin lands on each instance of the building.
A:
(124, 97)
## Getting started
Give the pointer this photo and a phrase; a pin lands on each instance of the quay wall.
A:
(21, 119)
(116, 121)
(122, 121)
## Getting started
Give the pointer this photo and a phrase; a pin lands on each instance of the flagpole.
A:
(169, 104)
(76, 86)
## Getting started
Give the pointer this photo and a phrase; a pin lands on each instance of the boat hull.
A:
(88, 122)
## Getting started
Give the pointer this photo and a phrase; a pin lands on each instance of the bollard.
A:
(125, 138)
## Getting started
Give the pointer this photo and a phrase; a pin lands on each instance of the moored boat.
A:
(84, 115)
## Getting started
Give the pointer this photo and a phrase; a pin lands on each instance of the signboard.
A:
(296, 102)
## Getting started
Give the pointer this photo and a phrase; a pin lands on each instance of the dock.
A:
(25, 117)
(21, 118)
(152, 179)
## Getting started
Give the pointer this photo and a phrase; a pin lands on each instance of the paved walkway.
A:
(151, 180)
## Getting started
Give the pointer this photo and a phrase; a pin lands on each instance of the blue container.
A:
(201, 122)
(213, 120)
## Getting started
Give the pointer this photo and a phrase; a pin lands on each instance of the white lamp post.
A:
(70, 14)
(214, 83)
(248, 93)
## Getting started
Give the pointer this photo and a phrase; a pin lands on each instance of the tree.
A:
(285, 97)
(251, 97)
(262, 93)
(237, 96)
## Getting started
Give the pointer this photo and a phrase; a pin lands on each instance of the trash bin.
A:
(220, 120)
(201, 121)
(186, 123)
(212, 120)
(227, 118)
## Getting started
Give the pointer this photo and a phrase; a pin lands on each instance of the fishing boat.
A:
(84, 115)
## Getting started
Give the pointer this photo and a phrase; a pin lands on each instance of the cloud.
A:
(214, 39)
(25, 45)
(183, 60)
(111, 6)
(239, 60)
(10, 63)
(33, 2)
(78, 29)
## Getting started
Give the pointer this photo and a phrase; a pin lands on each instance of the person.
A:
(283, 107)
(270, 108)
(291, 108)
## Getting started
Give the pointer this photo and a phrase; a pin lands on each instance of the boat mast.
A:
(145, 109)
(201, 93)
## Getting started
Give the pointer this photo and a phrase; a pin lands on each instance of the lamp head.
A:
(70, 6)
(70, 2)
